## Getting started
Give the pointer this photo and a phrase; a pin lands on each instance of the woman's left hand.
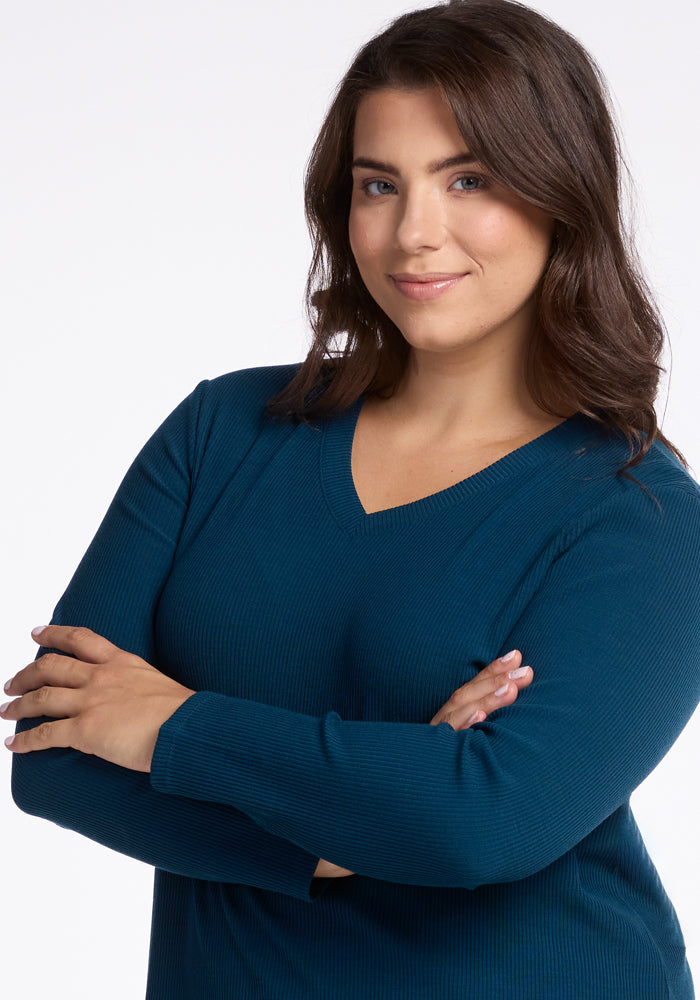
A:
(105, 701)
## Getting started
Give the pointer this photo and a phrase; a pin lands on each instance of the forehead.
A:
(409, 119)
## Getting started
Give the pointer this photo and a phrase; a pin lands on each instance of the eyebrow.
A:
(463, 160)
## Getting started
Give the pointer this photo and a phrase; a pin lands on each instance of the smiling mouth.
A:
(425, 286)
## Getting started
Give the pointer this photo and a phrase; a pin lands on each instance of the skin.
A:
(467, 347)
(111, 703)
(414, 218)
(463, 402)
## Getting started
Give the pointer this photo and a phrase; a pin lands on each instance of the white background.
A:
(152, 235)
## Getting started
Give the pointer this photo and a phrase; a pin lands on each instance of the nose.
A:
(420, 225)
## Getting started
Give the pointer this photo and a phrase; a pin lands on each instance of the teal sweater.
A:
(498, 862)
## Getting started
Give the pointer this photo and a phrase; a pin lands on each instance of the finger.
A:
(492, 674)
(484, 683)
(480, 693)
(51, 669)
(48, 734)
(55, 702)
(504, 695)
(325, 869)
(76, 640)
(504, 664)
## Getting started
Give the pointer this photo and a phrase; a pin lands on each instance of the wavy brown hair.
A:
(532, 107)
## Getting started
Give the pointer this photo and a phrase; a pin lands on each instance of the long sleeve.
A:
(613, 635)
(238, 558)
(115, 592)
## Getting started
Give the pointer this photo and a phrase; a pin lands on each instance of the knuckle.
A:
(79, 633)
(101, 680)
(49, 662)
(42, 733)
(450, 718)
(461, 696)
(41, 694)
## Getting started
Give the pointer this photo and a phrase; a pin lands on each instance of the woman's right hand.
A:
(496, 685)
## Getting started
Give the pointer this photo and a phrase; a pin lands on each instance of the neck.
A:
(444, 394)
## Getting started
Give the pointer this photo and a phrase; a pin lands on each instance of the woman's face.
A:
(450, 256)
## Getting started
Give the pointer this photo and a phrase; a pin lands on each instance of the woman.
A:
(304, 567)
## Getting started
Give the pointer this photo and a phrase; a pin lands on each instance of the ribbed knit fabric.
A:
(499, 862)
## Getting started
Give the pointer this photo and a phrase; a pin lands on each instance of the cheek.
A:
(362, 237)
(496, 232)
(354, 235)
(514, 240)
(368, 256)
(369, 233)
(536, 234)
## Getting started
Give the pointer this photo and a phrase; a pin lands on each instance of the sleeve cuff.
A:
(294, 866)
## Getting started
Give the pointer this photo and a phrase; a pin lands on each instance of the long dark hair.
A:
(532, 107)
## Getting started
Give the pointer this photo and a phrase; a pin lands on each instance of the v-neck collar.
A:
(344, 502)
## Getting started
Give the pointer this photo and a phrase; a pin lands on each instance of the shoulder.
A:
(671, 511)
(237, 401)
(592, 456)
(220, 417)
(658, 478)
(660, 469)
(248, 388)
(580, 493)
(653, 509)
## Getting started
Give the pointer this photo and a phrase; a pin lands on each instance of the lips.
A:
(425, 286)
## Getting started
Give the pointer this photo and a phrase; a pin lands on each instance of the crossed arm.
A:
(109, 703)
(118, 807)
(612, 694)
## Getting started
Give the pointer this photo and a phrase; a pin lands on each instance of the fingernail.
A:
(9, 741)
(6, 688)
(4, 708)
(473, 718)
(501, 691)
(507, 657)
(520, 672)
(38, 630)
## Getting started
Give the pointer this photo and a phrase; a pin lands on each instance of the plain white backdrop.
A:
(152, 235)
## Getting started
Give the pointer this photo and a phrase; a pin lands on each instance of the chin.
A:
(439, 341)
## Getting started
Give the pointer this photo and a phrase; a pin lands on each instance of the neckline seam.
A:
(342, 498)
